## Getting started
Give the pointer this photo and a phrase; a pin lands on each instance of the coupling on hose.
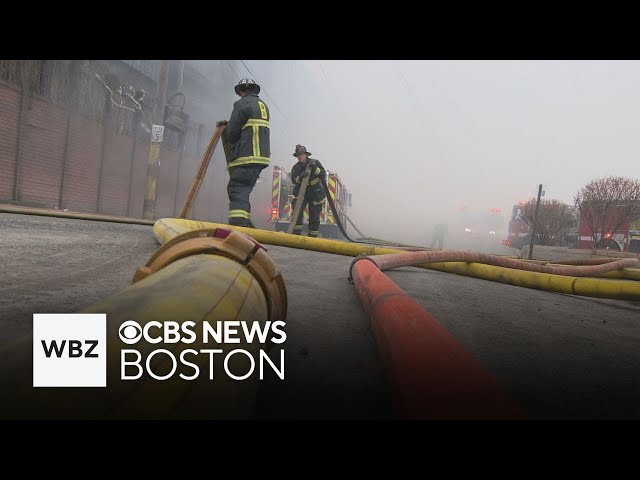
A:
(356, 260)
(233, 245)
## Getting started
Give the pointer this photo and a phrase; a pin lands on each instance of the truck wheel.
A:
(608, 244)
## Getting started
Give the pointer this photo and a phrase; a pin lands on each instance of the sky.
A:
(416, 141)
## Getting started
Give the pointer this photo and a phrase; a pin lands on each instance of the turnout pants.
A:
(242, 179)
(314, 217)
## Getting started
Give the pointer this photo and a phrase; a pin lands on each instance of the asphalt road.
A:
(558, 356)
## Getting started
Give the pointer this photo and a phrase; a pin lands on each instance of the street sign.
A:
(157, 133)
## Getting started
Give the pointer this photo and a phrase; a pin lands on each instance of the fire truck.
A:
(282, 210)
(518, 228)
(485, 226)
(634, 236)
(626, 238)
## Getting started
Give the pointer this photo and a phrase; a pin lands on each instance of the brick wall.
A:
(9, 113)
(53, 158)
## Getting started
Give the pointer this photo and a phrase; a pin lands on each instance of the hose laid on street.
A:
(45, 212)
(432, 376)
(583, 261)
(208, 275)
(626, 274)
(166, 228)
(386, 262)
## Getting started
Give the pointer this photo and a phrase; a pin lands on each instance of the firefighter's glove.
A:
(222, 122)
(304, 174)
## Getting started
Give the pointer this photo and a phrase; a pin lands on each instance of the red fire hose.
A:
(432, 376)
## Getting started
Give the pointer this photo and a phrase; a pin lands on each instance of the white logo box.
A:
(77, 347)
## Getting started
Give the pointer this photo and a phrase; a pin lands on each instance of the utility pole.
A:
(180, 75)
(157, 132)
(535, 223)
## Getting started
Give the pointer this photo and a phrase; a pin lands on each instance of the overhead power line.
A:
(265, 91)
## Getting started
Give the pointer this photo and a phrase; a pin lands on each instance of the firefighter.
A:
(439, 232)
(247, 136)
(314, 196)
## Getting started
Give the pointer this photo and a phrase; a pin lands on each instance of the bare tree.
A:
(554, 219)
(606, 204)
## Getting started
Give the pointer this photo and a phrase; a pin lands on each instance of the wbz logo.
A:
(75, 348)
(69, 350)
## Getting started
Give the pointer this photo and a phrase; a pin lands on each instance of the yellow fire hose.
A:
(167, 228)
(626, 274)
(200, 276)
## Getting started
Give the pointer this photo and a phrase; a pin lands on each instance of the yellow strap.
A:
(239, 214)
(313, 182)
(255, 122)
(256, 141)
(247, 160)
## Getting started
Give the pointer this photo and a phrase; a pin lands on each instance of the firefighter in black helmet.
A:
(247, 134)
(314, 195)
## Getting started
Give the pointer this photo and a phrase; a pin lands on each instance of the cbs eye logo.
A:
(130, 332)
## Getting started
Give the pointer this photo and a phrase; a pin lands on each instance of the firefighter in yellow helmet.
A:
(247, 133)
(314, 195)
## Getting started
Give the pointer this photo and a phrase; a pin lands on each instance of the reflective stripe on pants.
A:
(314, 215)
(242, 179)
